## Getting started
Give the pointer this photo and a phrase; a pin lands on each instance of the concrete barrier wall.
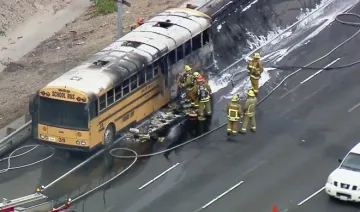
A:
(14, 134)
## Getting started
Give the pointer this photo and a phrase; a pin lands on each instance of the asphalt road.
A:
(300, 136)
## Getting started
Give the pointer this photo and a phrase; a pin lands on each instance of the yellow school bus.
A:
(121, 85)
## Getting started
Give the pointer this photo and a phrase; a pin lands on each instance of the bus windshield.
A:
(63, 114)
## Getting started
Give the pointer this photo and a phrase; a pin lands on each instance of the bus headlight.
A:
(81, 142)
(44, 137)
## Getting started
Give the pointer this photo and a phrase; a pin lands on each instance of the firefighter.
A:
(203, 94)
(189, 85)
(196, 74)
(139, 22)
(255, 69)
(234, 113)
(249, 112)
(195, 90)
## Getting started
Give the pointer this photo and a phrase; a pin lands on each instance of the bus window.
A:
(156, 69)
(206, 36)
(102, 102)
(110, 97)
(172, 57)
(180, 53)
(93, 110)
(133, 80)
(149, 73)
(196, 42)
(187, 48)
(141, 76)
(118, 92)
(125, 87)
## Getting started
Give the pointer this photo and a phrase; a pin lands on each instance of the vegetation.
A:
(104, 6)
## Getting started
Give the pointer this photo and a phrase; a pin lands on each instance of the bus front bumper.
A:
(65, 146)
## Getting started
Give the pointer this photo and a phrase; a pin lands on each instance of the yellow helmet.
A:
(187, 68)
(235, 98)
(196, 74)
(256, 55)
(250, 92)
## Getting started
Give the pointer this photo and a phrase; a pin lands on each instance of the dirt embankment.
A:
(15, 12)
(64, 50)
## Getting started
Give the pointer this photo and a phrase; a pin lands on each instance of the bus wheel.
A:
(109, 135)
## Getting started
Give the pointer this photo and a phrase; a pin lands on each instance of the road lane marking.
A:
(294, 106)
(220, 196)
(307, 79)
(289, 91)
(157, 177)
(109, 208)
(353, 108)
(311, 196)
(318, 72)
(258, 165)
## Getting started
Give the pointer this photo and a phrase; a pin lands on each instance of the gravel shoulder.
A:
(53, 57)
(15, 12)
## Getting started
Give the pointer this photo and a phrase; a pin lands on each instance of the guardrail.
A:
(15, 138)
(213, 7)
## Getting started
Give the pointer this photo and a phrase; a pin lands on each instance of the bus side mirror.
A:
(32, 104)
(31, 107)
(339, 160)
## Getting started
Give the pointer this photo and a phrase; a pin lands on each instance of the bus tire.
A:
(109, 135)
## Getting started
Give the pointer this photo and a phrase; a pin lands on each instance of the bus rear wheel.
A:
(109, 135)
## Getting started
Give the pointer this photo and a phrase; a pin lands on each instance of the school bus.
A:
(121, 85)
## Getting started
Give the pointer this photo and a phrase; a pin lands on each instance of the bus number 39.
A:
(62, 140)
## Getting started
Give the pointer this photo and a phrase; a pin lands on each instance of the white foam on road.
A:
(320, 20)
(284, 44)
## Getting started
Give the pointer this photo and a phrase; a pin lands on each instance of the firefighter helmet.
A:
(187, 68)
(250, 92)
(235, 98)
(196, 74)
(256, 55)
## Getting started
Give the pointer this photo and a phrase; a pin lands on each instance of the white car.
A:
(344, 182)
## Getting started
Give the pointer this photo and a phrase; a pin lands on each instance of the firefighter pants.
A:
(232, 126)
(202, 107)
(194, 99)
(255, 84)
(190, 96)
(245, 122)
